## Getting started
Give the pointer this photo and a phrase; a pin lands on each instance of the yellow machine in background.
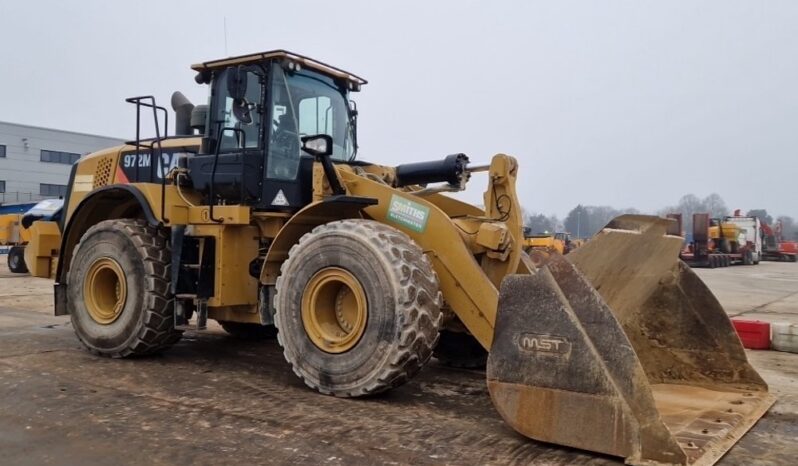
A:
(33, 249)
(259, 215)
(41, 252)
(539, 246)
(544, 242)
(725, 236)
(14, 235)
(12, 231)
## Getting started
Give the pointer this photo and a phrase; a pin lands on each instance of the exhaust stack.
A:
(182, 107)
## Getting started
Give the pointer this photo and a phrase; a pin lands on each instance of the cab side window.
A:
(243, 114)
(284, 143)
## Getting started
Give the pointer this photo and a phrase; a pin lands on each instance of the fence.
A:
(15, 197)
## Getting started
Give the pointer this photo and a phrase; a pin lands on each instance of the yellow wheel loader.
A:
(257, 213)
(539, 246)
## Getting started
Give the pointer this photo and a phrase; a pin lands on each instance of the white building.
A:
(35, 162)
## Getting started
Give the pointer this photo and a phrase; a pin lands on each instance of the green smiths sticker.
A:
(407, 213)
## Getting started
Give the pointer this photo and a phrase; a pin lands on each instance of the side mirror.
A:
(318, 145)
(237, 82)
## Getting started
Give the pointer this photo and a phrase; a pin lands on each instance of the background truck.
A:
(750, 228)
(719, 242)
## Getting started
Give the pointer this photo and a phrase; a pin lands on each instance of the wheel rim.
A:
(13, 261)
(334, 310)
(105, 290)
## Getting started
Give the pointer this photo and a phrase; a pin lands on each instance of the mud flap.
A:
(621, 349)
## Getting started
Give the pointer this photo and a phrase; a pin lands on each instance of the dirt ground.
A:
(213, 399)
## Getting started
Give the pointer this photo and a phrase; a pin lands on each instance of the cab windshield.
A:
(306, 103)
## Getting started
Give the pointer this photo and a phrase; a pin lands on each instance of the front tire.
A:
(118, 289)
(16, 260)
(358, 308)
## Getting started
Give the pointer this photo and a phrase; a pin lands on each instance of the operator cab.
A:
(261, 109)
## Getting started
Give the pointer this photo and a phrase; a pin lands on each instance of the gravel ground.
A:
(213, 399)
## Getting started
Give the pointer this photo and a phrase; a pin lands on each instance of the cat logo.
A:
(544, 344)
(280, 199)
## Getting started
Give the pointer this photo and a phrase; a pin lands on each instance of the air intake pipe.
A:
(182, 107)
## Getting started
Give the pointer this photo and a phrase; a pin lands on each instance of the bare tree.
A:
(762, 214)
(716, 206)
(539, 223)
(586, 221)
(690, 204)
(789, 230)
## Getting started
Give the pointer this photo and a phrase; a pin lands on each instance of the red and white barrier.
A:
(760, 335)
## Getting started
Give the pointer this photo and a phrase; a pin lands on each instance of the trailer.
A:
(774, 248)
(718, 242)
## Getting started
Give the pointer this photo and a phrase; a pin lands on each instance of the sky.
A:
(621, 103)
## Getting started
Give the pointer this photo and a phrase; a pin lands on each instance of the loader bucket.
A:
(620, 348)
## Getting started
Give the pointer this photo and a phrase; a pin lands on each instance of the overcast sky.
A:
(624, 103)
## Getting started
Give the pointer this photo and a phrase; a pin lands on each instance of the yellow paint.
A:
(466, 288)
(83, 183)
(334, 310)
(84, 174)
(43, 247)
(492, 236)
(11, 231)
(236, 247)
(105, 290)
(544, 243)
(245, 314)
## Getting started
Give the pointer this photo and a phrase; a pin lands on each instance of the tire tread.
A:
(419, 299)
(156, 332)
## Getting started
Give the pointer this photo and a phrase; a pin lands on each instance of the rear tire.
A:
(118, 289)
(382, 283)
(16, 260)
(461, 350)
(247, 331)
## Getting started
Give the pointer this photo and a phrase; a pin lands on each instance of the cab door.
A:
(236, 132)
(288, 172)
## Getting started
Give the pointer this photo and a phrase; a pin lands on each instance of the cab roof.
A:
(294, 57)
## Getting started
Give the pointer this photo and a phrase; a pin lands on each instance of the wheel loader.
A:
(257, 213)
